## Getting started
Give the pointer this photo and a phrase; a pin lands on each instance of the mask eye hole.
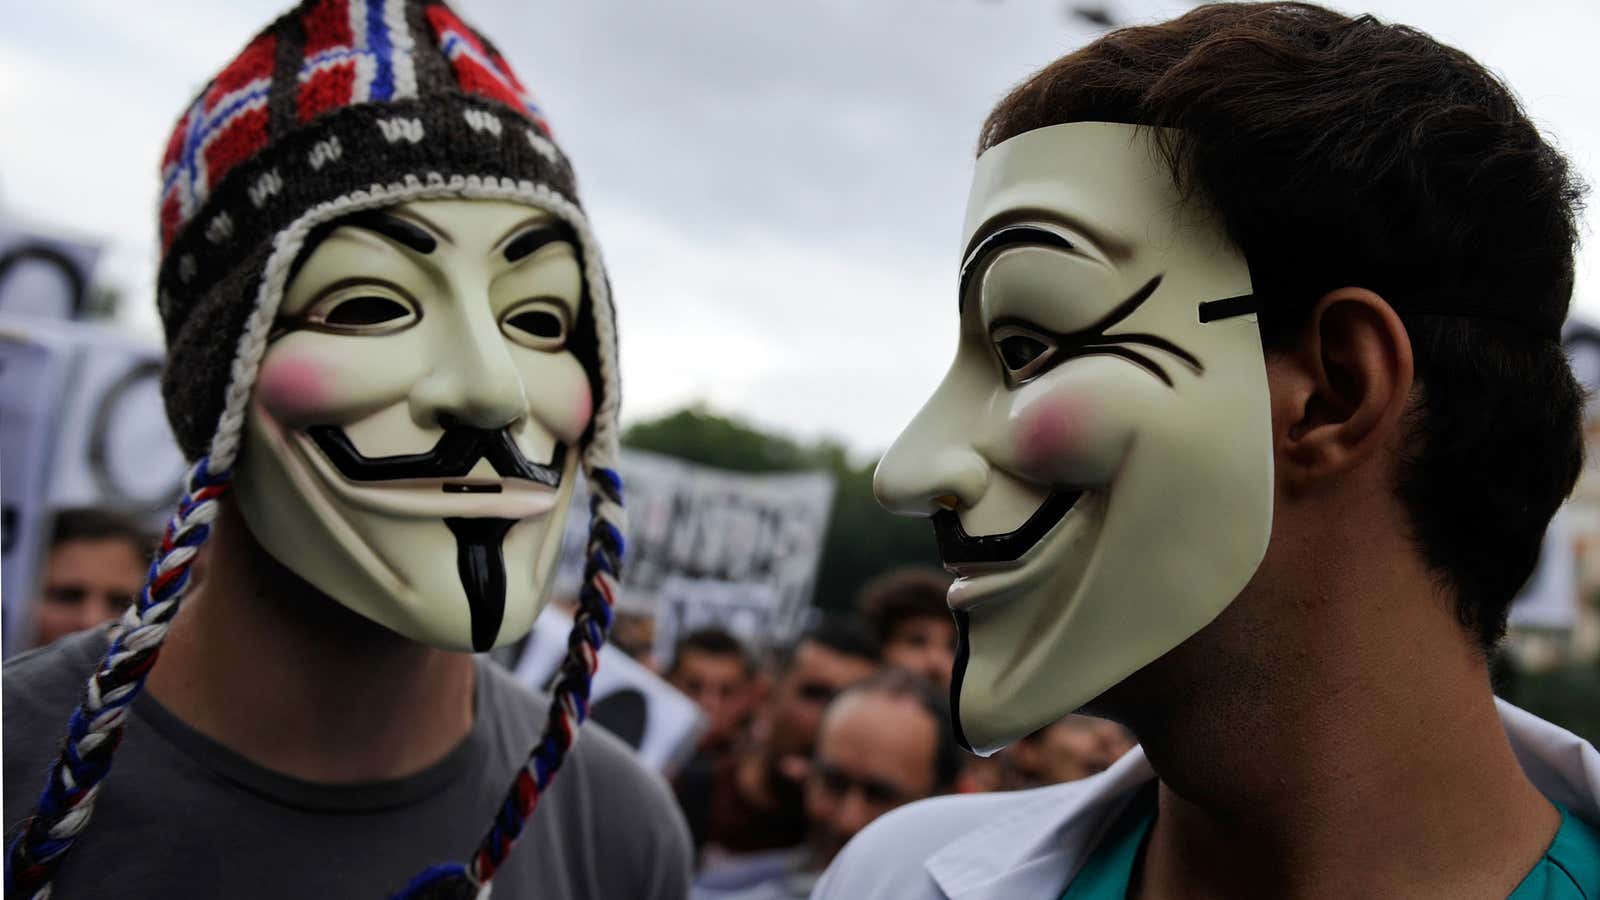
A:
(358, 308)
(539, 324)
(1023, 352)
(366, 311)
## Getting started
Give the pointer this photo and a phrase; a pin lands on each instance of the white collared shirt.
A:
(1028, 845)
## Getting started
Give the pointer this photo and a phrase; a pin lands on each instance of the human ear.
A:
(1340, 388)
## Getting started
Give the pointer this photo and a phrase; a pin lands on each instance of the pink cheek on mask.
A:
(582, 408)
(293, 389)
(1052, 431)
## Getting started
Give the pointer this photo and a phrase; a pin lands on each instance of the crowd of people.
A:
(1259, 417)
(802, 745)
(808, 743)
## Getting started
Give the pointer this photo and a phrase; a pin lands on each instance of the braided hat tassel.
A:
(67, 802)
(569, 705)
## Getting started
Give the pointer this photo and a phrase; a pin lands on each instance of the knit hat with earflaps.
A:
(338, 106)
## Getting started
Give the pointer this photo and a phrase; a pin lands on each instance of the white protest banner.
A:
(1550, 598)
(33, 379)
(712, 547)
(44, 275)
(83, 425)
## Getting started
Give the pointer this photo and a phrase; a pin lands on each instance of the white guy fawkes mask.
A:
(414, 432)
(1098, 460)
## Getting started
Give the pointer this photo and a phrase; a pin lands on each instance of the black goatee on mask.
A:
(480, 556)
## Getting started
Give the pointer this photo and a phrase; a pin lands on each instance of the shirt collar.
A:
(1037, 845)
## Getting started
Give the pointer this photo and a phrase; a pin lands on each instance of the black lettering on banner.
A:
(103, 445)
(14, 259)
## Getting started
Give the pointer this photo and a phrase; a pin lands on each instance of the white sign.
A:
(708, 546)
(33, 378)
(81, 424)
(42, 275)
(1550, 598)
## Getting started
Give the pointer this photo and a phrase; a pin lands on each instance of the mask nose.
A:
(474, 380)
(930, 467)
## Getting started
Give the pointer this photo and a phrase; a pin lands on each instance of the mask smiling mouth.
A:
(959, 550)
(455, 454)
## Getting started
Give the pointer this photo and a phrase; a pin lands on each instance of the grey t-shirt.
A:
(181, 816)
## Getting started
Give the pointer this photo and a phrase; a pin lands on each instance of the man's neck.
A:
(265, 664)
(1344, 764)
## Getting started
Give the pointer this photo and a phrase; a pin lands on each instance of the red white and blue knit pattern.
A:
(356, 51)
(479, 69)
(226, 125)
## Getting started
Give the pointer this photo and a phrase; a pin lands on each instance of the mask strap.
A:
(1228, 308)
(1245, 304)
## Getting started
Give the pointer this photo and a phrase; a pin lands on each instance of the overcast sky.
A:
(778, 188)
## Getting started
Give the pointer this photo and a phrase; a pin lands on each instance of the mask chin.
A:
(1014, 631)
(456, 582)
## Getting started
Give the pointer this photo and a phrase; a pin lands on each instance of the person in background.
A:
(635, 634)
(907, 612)
(717, 673)
(883, 743)
(751, 800)
(1072, 747)
(95, 567)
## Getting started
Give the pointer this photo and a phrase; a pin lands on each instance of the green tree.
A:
(862, 539)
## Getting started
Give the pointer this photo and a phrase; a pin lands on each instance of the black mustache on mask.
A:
(956, 547)
(455, 454)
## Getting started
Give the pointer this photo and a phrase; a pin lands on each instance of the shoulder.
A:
(40, 690)
(521, 713)
(887, 859)
(623, 809)
(53, 675)
(44, 685)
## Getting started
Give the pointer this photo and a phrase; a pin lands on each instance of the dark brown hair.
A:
(712, 641)
(96, 524)
(1344, 151)
(899, 595)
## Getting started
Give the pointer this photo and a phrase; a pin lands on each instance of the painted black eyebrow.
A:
(1092, 339)
(1010, 235)
(393, 227)
(529, 241)
(1095, 331)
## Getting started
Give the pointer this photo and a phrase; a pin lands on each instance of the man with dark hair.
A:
(751, 800)
(96, 565)
(884, 742)
(1258, 416)
(713, 669)
(906, 611)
